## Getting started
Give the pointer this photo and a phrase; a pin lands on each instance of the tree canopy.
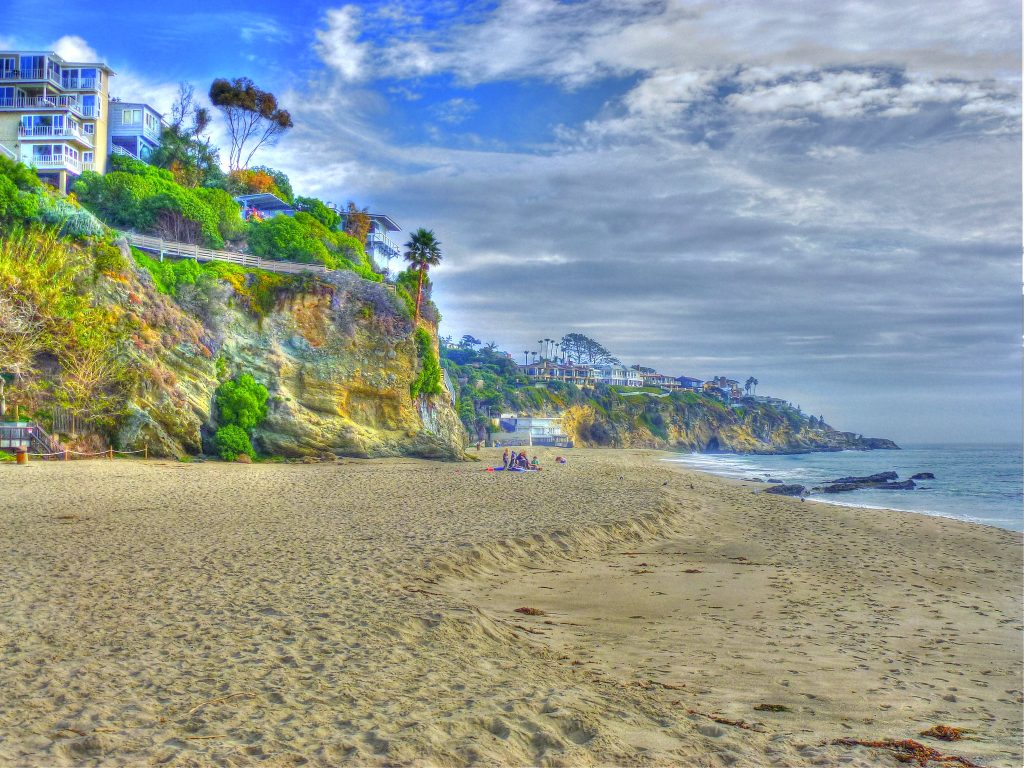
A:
(584, 350)
(423, 251)
(253, 115)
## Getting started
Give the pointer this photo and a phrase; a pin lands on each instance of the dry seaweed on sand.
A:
(771, 708)
(909, 751)
(531, 611)
(944, 732)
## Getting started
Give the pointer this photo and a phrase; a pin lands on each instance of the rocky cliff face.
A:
(336, 354)
(685, 422)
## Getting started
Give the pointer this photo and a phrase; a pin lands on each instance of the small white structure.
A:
(617, 375)
(529, 430)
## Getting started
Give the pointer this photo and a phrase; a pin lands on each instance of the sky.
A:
(823, 195)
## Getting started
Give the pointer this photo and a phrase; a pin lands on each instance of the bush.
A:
(428, 381)
(231, 441)
(108, 259)
(242, 402)
(69, 218)
(138, 196)
(319, 211)
(16, 205)
(289, 238)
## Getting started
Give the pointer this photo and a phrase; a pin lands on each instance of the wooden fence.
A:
(192, 251)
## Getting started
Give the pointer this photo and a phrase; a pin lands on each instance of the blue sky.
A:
(824, 195)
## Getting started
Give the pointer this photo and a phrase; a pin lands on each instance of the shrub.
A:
(428, 381)
(242, 402)
(289, 238)
(108, 259)
(23, 177)
(69, 218)
(231, 441)
(138, 196)
(16, 205)
(319, 211)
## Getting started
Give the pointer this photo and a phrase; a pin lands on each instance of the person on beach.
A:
(504, 459)
(534, 463)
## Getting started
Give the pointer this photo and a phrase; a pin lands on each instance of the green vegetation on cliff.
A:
(134, 350)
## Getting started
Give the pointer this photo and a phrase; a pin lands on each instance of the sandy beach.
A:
(364, 612)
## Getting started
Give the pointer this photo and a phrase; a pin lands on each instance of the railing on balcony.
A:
(57, 161)
(79, 83)
(381, 244)
(54, 132)
(32, 74)
(46, 102)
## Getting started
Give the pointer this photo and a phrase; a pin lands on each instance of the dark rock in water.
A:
(786, 490)
(879, 444)
(906, 485)
(753, 479)
(923, 476)
(772, 480)
(881, 477)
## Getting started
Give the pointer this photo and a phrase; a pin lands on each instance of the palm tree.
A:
(423, 251)
(527, 353)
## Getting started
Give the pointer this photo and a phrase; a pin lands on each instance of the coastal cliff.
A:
(488, 381)
(686, 421)
(336, 353)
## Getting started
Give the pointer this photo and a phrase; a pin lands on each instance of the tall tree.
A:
(253, 115)
(423, 251)
(749, 383)
(357, 222)
(583, 350)
(185, 149)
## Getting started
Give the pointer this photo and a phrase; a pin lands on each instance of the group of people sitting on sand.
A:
(518, 460)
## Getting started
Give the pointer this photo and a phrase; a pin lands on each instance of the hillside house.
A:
(53, 114)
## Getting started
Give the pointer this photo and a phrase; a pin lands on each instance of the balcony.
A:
(23, 103)
(27, 75)
(379, 244)
(79, 83)
(54, 132)
(57, 163)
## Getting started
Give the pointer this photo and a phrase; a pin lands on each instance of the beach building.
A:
(547, 370)
(54, 114)
(617, 375)
(529, 430)
(134, 129)
(690, 383)
(728, 388)
(655, 379)
(263, 205)
(379, 245)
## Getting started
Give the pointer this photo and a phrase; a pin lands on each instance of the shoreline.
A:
(1011, 523)
(363, 612)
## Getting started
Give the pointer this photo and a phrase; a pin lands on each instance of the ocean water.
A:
(978, 483)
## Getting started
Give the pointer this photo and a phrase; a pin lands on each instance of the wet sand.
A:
(364, 612)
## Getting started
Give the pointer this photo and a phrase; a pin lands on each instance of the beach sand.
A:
(363, 612)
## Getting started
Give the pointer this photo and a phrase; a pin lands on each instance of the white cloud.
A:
(337, 45)
(73, 48)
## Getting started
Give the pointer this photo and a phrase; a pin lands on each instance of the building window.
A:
(87, 157)
(131, 117)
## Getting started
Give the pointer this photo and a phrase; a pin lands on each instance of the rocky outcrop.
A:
(684, 421)
(786, 490)
(336, 354)
(923, 476)
(888, 481)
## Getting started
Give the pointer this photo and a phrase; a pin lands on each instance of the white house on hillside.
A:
(616, 374)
